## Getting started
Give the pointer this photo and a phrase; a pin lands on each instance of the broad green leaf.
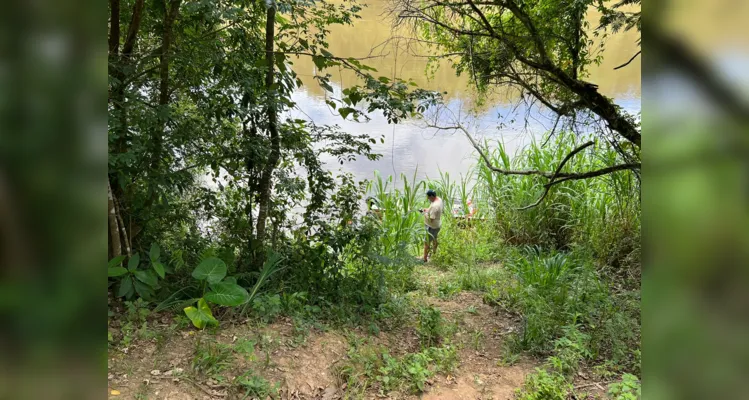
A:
(116, 271)
(211, 269)
(155, 252)
(126, 287)
(159, 268)
(201, 315)
(320, 62)
(146, 277)
(143, 290)
(230, 279)
(133, 263)
(116, 262)
(227, 294)
(345, 111)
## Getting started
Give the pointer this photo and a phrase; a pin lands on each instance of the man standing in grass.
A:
(432, 217)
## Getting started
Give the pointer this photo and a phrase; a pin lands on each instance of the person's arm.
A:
(431, 213)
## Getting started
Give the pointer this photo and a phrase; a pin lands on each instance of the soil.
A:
(304, 365)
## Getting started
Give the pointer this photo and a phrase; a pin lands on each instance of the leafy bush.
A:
(555, 292)
(626, 389)
(267, 307)
(545, 385)
(136, 280)
(430, 328)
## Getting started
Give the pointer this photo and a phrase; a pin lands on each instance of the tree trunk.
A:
(114, 227)
(171, 11)
(114, 29)
(265, 184)
(119, 61)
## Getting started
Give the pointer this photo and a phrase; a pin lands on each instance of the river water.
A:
(410, 147)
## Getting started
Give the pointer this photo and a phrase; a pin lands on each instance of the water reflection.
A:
(410, 147)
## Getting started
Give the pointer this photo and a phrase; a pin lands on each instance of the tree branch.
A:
(556, 173)
(630, 60)
(132, 31)
(562, 176)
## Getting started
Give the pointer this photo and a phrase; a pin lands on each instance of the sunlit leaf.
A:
(201, 315)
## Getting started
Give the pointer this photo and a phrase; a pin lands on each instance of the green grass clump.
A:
(373, 367)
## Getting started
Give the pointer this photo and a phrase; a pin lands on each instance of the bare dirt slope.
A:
(302, 365)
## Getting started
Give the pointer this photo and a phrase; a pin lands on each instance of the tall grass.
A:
(401, 223)
(600, 214)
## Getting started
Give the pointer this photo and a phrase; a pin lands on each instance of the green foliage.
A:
(431, 327)
(136, 280)
(400, 224)
(370, 366)
(267, 307)
(246, 348)
(555, 292)
(545, 385)
(447, 289)
(201, 315)
(210, 357)
(212, 270)
(255, 386)
(601, 215)
(627, 389)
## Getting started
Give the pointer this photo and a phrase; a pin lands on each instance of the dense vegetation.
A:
(211, 220)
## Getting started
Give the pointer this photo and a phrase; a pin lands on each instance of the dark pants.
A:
(432, 233)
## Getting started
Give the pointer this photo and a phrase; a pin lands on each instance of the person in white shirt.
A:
(432, 216)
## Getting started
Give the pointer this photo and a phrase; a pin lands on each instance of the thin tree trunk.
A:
(119, 61)
(123, 230)
(265, 185)
(114, 29)
(170, 15)
(114, 227)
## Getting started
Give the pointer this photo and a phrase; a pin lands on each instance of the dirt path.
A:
(303, 364)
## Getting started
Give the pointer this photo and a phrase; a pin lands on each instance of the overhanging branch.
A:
(556, 177)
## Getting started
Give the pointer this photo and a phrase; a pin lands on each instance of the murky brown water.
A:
(410, 146)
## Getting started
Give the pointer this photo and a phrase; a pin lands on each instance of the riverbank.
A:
(440, 341)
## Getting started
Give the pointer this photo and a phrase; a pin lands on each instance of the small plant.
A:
(417, 367)
(430, 326)
(569, 351)
(627, 389)
(545, 385)
(137, 311)
(211, 272)
(134, 280)
(256, 386)
(211, 358)
(447, 289)
(246, 348)
(472, 310)
(267, 307)
(367, 364)
(477, 337)
(508, 359)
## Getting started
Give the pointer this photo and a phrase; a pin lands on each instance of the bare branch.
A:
(556, 173)
(630, 60)
(555, 178)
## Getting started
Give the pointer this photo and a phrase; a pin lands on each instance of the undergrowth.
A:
(372, 367)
